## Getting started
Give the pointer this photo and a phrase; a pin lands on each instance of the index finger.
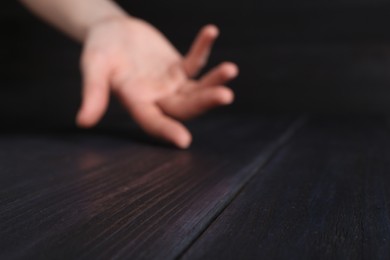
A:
(200, 50)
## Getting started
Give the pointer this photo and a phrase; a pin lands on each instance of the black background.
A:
(322, 56)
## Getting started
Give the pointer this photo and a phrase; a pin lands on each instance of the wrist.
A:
(119, 17)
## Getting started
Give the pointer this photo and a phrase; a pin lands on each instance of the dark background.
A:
(301, 56)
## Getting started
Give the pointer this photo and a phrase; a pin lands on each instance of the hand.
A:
(153, 81)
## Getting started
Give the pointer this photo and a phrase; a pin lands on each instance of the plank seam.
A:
(257, 164)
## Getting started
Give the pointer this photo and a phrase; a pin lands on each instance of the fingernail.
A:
(213, 30)
(184, 141)
(227, 97)
(231, 70)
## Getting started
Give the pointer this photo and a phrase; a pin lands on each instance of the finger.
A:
(184, 107)
(199, 53)
(96, 93)
(220, 75)
(157, 124)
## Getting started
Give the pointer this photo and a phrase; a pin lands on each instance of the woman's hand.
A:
(154, 82)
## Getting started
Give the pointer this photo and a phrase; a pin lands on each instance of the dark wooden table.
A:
(251, 187)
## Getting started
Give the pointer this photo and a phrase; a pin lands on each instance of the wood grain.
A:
(324, 196)
(103, 196)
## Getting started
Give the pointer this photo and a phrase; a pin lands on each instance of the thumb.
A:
(96, 94)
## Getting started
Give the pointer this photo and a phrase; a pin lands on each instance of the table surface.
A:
(281, 187)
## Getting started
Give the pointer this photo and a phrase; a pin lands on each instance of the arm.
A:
(132, 59)
(75, 17)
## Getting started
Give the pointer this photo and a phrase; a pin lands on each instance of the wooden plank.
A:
(324, 196)
(85, 199)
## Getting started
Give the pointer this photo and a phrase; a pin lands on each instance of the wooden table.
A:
(251, 187)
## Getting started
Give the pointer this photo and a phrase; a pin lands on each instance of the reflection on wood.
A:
(103, 196)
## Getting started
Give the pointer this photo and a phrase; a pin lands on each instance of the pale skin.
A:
(129, 57)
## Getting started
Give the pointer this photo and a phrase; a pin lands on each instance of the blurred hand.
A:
(154, 82)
